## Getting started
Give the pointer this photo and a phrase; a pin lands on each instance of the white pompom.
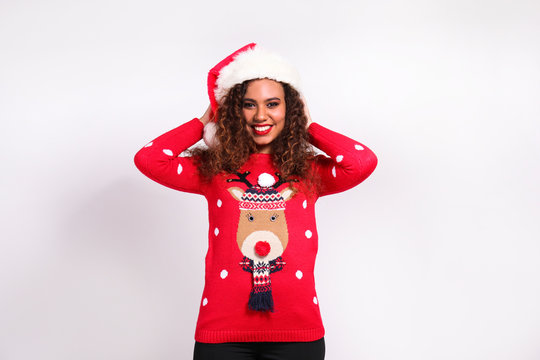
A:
(266, 180)
(209, 134)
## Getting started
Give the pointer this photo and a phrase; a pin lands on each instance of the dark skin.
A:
(264, 111)
(260, 106)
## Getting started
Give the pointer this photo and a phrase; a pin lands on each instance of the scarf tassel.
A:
(261, 300)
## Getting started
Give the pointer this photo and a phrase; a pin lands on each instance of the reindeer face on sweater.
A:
(262, 228)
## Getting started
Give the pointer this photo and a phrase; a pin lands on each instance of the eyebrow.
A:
(274, 98)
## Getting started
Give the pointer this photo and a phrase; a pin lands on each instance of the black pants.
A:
(311, 350)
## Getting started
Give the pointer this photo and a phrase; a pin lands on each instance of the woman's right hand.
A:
(208, 116)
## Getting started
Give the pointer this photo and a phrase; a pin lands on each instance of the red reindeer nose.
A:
(262, 248)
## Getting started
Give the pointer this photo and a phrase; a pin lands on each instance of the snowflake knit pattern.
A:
(259, 283)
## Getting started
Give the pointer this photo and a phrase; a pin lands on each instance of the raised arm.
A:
(160, 160)
(349, 162)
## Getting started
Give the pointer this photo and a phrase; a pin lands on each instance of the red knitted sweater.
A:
(262, 234)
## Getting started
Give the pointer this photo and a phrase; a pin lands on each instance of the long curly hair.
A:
(291, 150)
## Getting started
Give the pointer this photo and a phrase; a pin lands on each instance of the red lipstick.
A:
(261, 129)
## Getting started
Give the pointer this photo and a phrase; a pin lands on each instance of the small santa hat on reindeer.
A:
(247, 63)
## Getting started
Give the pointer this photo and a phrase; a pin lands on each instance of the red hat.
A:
(247, 63)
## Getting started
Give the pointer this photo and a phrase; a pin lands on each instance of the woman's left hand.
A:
(306, 111)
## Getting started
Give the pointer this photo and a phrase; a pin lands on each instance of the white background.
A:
(435, 256)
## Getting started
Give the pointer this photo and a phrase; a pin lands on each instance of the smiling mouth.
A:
(262, 129)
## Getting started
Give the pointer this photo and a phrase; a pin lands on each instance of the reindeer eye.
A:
(250, 217)
(273, 217)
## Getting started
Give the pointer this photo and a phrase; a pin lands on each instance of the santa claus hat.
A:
(247, 63)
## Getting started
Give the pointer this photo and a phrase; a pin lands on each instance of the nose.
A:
(261, 114)
(262, 248)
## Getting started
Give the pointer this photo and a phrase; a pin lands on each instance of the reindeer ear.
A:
(288, 193)
(236, 193)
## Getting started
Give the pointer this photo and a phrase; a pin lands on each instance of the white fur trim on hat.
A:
(209, 134)
(256, 63)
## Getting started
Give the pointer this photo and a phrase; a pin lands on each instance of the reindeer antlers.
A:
(242, 178)
(281, 180)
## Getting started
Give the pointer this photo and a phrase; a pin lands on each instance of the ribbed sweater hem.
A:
(221, 336)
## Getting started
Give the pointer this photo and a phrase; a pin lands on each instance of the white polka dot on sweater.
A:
(339, 158)
(167, 152)
(149, 144)
(334, 171)
(358, 147)
(219, 203)
(315, 301)
(204, 302)
(304, 204)
(179, 170)
(309, 234)
(299, 274)
(216, 231)
(224, 273)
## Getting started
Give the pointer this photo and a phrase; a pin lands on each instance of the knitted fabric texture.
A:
(262, 197)
(275, 242)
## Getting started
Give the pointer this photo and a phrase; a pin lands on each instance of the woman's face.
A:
(264, 108)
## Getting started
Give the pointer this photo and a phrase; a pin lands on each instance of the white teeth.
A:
(262, 128)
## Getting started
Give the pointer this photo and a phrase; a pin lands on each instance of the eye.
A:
(248, 105)
(272, 104)
(250, 217)
(273, 217)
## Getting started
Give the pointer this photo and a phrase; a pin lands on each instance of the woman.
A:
(261, 179)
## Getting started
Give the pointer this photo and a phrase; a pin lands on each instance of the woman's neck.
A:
(264, 149)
